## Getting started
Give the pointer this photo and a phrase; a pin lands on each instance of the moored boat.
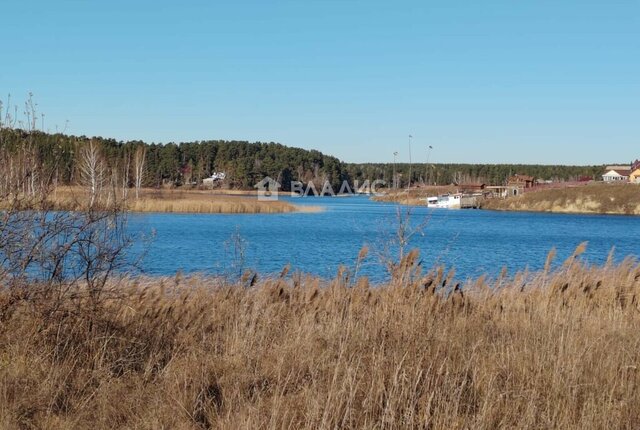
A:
(445, 201)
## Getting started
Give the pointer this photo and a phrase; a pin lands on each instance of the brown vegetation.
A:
(623, 199)
(555, 349)
(177, 201)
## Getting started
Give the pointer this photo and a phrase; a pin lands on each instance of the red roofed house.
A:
(471, 188)
(521, 181)
(617, 174)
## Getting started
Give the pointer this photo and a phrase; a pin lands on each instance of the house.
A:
(521, 181)
(617, 175)
(502, 191)
(471, 188)
(215, 177)
(634, 176)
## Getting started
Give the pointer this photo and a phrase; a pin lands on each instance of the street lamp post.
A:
(426, 173)
(410, 164)
(394, 180)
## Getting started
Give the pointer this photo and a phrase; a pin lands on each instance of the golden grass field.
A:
(621, 199)
(554, 349)
(179, 201)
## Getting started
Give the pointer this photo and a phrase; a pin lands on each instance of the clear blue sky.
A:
(532, 81)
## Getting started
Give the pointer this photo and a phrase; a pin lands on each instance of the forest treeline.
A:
(450, 173)
(171, 164)
(74, 159)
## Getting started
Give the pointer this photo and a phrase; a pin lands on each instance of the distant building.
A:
(502, 191)
(634, 177)
(635, 166)
(471, 188)
(616, 175)
(215, 177)
(521, 181)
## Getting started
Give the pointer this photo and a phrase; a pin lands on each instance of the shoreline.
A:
(560, 212)
(595, 199)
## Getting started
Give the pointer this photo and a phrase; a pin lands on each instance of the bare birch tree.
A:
(126, 170)
(92, 169)
(139, 161)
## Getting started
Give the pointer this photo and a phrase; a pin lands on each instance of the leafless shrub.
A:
(50, 253)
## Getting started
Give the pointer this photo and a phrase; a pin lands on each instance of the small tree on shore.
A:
(93, 170)
(139, 161)
(126, 171)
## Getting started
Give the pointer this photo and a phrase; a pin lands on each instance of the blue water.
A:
(473, 241)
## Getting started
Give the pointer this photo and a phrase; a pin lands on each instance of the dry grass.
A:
(545, 350)
(623, 199)
(414, 196)
(179, 201)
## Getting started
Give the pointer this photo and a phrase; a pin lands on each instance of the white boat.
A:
(432, 201)
(445, 201)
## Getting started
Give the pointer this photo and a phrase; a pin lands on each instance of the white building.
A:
(215, 177)
(616, 175)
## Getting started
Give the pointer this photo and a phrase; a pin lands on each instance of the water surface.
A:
(474, 242)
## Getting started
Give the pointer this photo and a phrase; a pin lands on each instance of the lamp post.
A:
(410, 164)
(426, 173)
(394, 180)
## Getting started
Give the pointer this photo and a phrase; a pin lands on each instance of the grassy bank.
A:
(178, 201)
(623, 199)
(548, 350)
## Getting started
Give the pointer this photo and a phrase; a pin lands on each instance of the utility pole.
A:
(410, 164)
(394, 180)
(426, 173)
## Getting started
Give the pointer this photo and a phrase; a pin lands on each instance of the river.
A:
(474, 242)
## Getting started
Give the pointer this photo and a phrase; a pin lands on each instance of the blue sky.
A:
(481, 81)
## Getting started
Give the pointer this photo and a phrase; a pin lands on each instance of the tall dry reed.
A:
(554, 349)
(177, 201)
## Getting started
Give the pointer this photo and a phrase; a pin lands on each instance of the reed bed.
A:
(213, 205)
(554, 349)
(177, 201)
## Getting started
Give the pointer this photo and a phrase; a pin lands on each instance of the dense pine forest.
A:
(495, 174)
(157, 165)
(139, 164)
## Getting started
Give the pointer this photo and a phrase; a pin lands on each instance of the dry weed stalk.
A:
(558, 348)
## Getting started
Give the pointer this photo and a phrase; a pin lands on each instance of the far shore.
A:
(599, 198)
(596, 198)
